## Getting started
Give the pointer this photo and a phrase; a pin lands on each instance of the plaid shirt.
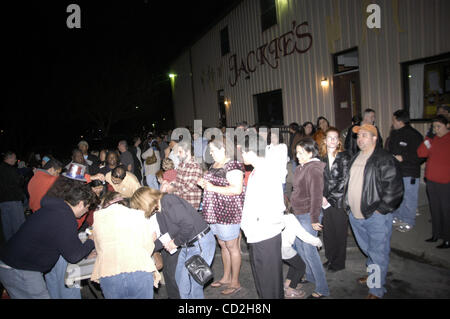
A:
(188, 173)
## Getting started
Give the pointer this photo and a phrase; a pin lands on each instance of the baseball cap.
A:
(366, 127)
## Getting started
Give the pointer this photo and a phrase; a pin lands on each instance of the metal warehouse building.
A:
(283, 61)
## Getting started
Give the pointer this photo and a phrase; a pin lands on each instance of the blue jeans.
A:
(407, 210)
(12, 214)
(374, 238)
(188, 287)
(152, 182)
(311, 257)
(23, 284)
(294, 165)
(55, 282)
(134, 285)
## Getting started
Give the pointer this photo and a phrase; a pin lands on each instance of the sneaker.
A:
(396, 221)
(404, 228)
(291, 293)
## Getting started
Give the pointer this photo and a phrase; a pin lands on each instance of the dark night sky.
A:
(57, 77)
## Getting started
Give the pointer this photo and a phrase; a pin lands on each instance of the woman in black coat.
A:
(335, 219)
(189, 233)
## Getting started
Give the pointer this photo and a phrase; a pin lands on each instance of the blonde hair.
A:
(167, 164)
(323, 143)
(146, 199)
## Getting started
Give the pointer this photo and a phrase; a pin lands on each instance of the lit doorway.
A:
(346, 87)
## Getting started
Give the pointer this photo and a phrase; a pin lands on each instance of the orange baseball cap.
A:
(366, 127)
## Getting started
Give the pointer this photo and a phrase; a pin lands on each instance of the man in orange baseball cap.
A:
(366, 127)
(374, 191)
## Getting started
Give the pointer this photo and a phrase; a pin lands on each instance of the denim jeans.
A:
(134, 285)
(294, 165)
(407, 210)
(55, 282)
(23, 284)
(152, 182)
(373, 236)
(311, 257)
(12, 214)
(188, 287)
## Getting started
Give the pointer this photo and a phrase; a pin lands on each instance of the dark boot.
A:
(432, 239)
(445, 244)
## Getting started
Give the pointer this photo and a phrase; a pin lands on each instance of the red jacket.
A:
(438, 159)
(38, 186)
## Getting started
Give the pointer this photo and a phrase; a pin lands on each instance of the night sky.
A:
(64, 83)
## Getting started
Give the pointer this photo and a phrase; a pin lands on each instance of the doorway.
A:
(269, 108)
(222, 108)
(346, 88)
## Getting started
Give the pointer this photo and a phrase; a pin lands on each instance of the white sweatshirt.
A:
(262, 215)
(292, 230)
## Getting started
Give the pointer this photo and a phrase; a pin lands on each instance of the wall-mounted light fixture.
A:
(227, 102)
(172, 75)
(324, 83)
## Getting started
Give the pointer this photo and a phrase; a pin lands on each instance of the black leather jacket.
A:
(382, 186)
(336, 178)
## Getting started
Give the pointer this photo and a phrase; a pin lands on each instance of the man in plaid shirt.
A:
(188, 173)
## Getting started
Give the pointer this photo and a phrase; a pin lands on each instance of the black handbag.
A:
(199, 269)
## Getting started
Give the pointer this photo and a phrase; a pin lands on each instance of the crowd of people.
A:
(278, 195)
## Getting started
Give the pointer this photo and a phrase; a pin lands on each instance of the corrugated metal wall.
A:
(419, 30)
(182, 92)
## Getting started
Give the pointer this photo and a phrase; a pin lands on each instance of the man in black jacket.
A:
(373, 192)
(403, 143)
(46, 235)
(92, 160)
(11, 196)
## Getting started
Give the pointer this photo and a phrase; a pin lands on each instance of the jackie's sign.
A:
(297, 40)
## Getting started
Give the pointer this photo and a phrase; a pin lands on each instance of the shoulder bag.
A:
(151, 159)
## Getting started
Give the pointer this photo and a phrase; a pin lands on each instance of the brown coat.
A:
(308, 189)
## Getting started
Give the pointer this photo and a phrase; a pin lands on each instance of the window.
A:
(268, 14)
(426, 85)
(346, 61)
(269, 108)
(224, 41)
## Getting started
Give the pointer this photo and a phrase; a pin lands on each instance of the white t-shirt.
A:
(262, 215)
